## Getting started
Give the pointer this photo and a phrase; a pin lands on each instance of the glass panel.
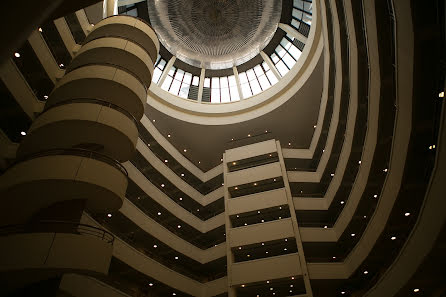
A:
(166, 83)
(295, 52)
(258, 70)
(175, 87)
(264, 83)
(232, 81)
(207, 82)
(298, 4)
(282, 68)
(234, 93)
(243, 78)
(224, 82)
(215, 95)
(289, 61)
(250, 74)
(255, 87)
(274, 58)
(196, 81)
(225, 95)
(297, 14)
(265, 66)
(295, 24)
(172, 71)
(156, 75)
(246, 90)
(179, 74)
(280, 51)
(285, 43)
(272, 78)
(161, 64)
(184, 90)
(187, 78)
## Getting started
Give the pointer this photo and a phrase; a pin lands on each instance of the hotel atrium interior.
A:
(240, 148)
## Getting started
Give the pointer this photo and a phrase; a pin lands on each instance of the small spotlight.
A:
(23, 133)
(109, 215)
(168, 135)
(366, 272)
(392, 238)
(155, 246)
(40, 30)
(441, 95)
(17, 55)
(407, 214)
(416, 290)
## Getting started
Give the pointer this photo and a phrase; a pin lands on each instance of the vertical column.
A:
(166, 70)
(237, 80)
(109, 8)
(270, 64)
(201, 84)
(263, 245)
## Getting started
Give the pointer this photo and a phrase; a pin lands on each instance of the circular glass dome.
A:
(215, 34)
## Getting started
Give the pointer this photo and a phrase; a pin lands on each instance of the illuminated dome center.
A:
(215, 34)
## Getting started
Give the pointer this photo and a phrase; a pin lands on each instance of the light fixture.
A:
(61, 65)
(23, 133)
(441, 95)
(353, 234)
(165, 161)
(285, 249)
(243, 286)
(375, 196)
(179, 226)
(249, 135)
(385, 170)
(334, 257)
(199, 162)
(154, 121)
(366, 272)
(162, 185)
(263, 243)
(342, 292)
(286, 239)
(325, 227)
(266, 131)
(181, 198)
(159, 213)
(221, 160)
(258, 211)
(17, 55)
(40, 30)
(248, 255)
(267, 282)
(274, 179)
(342, 202)
(174, 294)
(150, 284)
(198, 209)
(182, 174)
(407, 214)
(416, 290)
(280, 207)
(291, 291)
(392, 238)
(292, 277)
(45, 97)
(109, 215)
(289, 143)
(365, 217)
(168, 135)
(359, 162)
(185, 150)
(263, 221)
(236, 188)
(291, 286)
(239, 247)
(271, 289)
(314, 126)
(155, 246)
(232, 139)
(176, 257)
(92, 25)
(246, 224)
(255, 184)
(332, 174)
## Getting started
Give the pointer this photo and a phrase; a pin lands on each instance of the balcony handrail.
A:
(76, 152)
(55, 226)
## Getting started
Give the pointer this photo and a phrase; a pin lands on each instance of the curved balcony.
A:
(130, 28)
(116, 51)
(109, 83)
(83, 123)
(34, 252)
(39, 181)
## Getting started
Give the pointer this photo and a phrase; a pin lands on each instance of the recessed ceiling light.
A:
(334, 257)
(280, 207)
(45, 97)
(181, 198)
(353, 234)
(199, 162)
(267, 282)
(366, 272)
(221, 160)
(342, 202)
(263, 243)
(248, 255)
(385, 170)
(286, 239)
(258, 211)
(92, 25)
(255, 184)
(185, 150)
(162, 185)
(155, 246)
(239, 247)
(249, 135)
(154, 121)
(332, 174)
(168, 135)
(165, 161)
(292, 277)
(238, 216)
(263, 221)
(232, 139)
(342, 292)
(441, 95)
(246, 224)
(359, 162)
(289, 143)
(173, 294)
(291, 291)
(40, 30)
(23, 133)
(159, 213)
(375, 196)
(176, 257)
(325, 227)
(393, 238)
(17, 55)
(61, 65)
(236, 188)
(365, 217)
(271, 289)
(407, 214)
(314, 126)
(416, 290)
(243, 286)
(182, 174)
(109, 215)
(150, 284)
(198, 209)
(285, 249)
(266, 131)
(179, 226)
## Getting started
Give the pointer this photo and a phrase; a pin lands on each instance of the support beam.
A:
(201, 85)
(293, 32)
(166, 70)
(270, 65)
(237, 81)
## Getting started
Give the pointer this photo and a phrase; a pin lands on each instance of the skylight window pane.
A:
(250, 74)
(265, 66)
(187, 78)
(156, 75)
(175, 87)
(166, 83)
(308, 7)
(307, 19)
(297, 14)
(215, 95)
(161, 64)
(289, 61)
(223, 82)
(246, 90)
(295, 52)
(274, 58)
(255, 87)
(172, 71)
(225, 97)
(215, 83)
(272, 78)
(298, 4)
(184, 90)
(295, 24)
(179, 74)
(234, 93)
(258, 70)
(282, 68)
(207, 82)
(264, 83)
(232, 81)
(196, 81)
(243, 78)
(280, 51)
(285, 43)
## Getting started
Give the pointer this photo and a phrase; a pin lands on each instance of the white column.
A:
(270, 65)
(166, 70)
(237, 81)
(109, 8)
(293, 32)
(201, 84)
